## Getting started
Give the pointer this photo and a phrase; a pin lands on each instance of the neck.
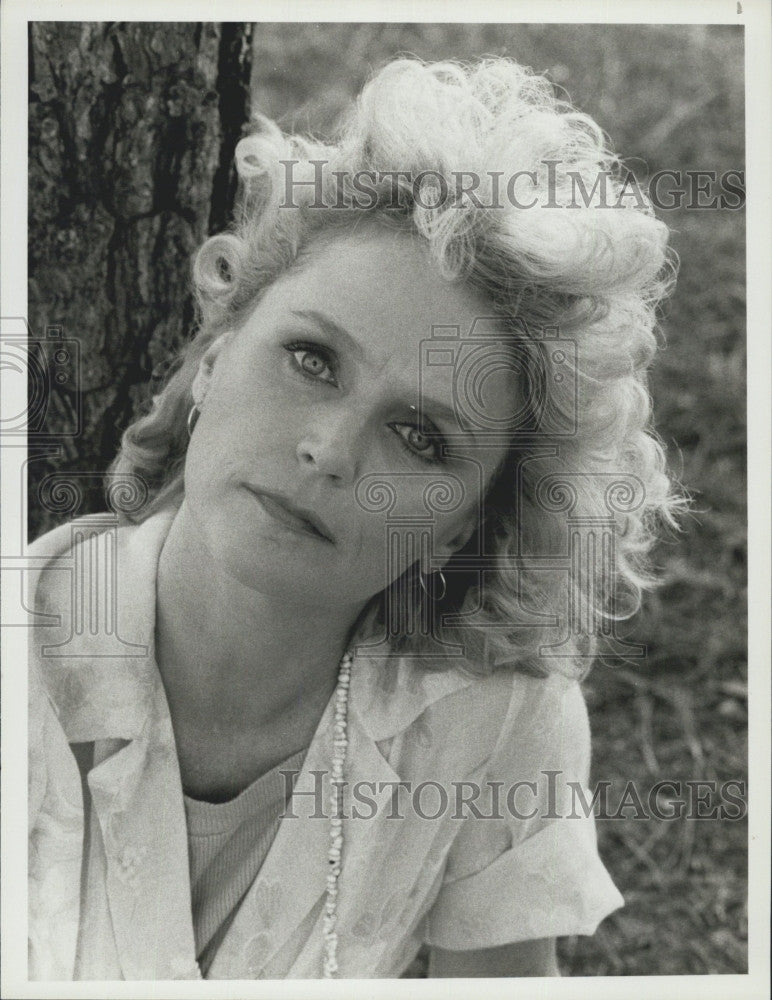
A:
(232, 656)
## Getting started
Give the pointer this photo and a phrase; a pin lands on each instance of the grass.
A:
(670, 98)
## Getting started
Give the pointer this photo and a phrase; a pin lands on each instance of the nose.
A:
(330, 448)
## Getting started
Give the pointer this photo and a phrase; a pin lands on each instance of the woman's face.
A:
(319, 397)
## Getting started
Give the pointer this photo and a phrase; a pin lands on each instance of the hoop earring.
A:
(193, 416)
(437, 597)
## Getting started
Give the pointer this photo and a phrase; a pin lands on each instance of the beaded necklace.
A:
(335, 852)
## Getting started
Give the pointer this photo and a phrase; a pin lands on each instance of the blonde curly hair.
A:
(573, 513)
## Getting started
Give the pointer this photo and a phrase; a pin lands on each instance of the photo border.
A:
(756, 16)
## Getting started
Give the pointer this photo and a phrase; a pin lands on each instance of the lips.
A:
(295, 518)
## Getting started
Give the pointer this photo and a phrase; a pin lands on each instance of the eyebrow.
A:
(332, 329)
(441, 410)
(337, 332)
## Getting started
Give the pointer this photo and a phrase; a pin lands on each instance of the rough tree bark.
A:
(132, 128)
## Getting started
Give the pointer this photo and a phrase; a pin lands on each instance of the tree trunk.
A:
(132, 129)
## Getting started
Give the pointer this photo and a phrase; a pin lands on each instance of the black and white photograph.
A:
(376, 480)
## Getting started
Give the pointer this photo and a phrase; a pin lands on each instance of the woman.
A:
(361, 576)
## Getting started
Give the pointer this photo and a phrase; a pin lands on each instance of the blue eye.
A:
(421, 443)
(313, 362)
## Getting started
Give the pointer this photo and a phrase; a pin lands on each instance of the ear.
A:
(203, 377)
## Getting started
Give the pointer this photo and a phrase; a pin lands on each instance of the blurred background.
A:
(132, 129)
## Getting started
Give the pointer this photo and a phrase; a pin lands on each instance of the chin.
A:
(269, 564)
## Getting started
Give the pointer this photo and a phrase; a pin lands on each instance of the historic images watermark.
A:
(548, 797)
(665, 190)
(463, 364)
(43, 374)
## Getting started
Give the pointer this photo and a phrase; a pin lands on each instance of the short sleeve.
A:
(525, 864)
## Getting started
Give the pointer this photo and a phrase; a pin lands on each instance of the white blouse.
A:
(110, 897)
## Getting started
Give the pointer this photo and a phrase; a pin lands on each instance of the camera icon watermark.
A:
(536, 362)
(39, 373)
(42, 408)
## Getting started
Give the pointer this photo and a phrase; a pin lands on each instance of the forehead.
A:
(385, 281)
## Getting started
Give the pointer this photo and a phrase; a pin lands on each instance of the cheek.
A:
(247, 419)
(385, 547)
(421, 509)
(452, 532)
